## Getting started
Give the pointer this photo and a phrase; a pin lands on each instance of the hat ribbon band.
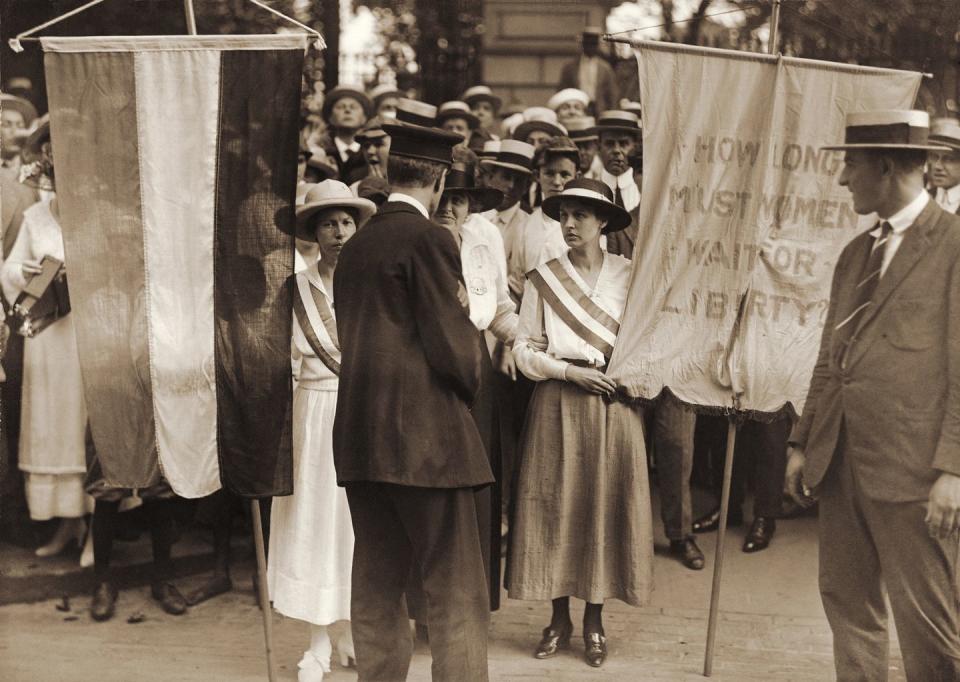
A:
(894, 133)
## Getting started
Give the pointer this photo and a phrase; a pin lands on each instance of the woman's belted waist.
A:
(319, 384)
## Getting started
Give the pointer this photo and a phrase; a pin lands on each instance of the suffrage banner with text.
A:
(741, 221)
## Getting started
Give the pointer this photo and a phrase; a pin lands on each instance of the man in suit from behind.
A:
(405, 445)
(879, 439)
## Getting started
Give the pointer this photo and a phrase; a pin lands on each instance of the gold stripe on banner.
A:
(569, 318)
(584, 301)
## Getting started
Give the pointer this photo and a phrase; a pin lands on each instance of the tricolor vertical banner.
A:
(176, 171)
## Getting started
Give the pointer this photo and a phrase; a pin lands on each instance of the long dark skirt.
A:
(486, 415)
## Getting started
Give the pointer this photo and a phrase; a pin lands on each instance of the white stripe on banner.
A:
(585, 319)
(177, 117)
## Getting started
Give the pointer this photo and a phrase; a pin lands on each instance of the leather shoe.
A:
(595, 649)
(688, 553)
(553, 640)
(760, 535)
(710, 522)
(169, 597)
(104, 602)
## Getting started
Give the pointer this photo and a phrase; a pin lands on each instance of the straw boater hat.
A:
(945, 131)
(513, 155)
(893, 129)
(632, 107)
(456, 109)
(14, 103)
(381, 92)
(592, 192)
(460, 179)
(489, 151)
(538, 118)
(341, 91)
(582, 129)
(329, 194)
(566, 95)
(481, 93)
(415, 112)
(618, 120)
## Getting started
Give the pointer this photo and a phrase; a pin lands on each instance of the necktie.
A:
(618, 197)
(866, 286)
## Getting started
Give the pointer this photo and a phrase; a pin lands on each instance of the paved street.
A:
(772, 628)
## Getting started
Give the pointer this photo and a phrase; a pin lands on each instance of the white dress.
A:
(54, 414)
(311, 535)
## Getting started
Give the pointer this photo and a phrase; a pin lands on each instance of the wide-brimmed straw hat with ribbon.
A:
(513, 155)
(945, 131)
(593, 193)
(461, 179)
(538, 118)
(415, 112)
(329, 194)
(457, 109)
(481, 93)
(489, 151)
(890, 129)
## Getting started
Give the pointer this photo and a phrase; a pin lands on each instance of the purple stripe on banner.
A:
(253, 261)
(94, 132)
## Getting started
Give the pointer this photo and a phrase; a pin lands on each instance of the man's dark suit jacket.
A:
(898, 394)
(411, 358)
(608, 92)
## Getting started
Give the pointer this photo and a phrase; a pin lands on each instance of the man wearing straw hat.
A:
(405, 445)
(16, 116)
(879, 439)
(945, 166)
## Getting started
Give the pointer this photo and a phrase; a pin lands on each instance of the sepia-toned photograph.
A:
(480, 340)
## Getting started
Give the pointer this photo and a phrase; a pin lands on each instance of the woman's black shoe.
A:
(595, 649)
(689, 554)
(553, 641)
(710, 522)
(760, 535)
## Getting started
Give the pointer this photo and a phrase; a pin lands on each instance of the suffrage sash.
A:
(572, 305)
(317, 323)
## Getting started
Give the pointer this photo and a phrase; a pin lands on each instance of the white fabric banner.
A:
(741, 221)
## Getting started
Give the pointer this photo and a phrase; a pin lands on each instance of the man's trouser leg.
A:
(673, 427)
(920, 574)
(442, 527)
(381, 562)
(850, 583)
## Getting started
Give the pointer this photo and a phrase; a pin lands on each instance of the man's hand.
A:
(943, 508)
(793, 480)
(592, 380)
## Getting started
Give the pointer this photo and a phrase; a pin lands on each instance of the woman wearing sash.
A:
(311, 535)
(583, 520)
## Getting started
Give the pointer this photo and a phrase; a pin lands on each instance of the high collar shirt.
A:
(407, 199)
(900, 221)
(344, 149)
(485, 274)
(537, 320)
(949, 198)
(628, 187)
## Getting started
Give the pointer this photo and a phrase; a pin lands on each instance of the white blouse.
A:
(485, 274)
(610, 294)
(39, 236)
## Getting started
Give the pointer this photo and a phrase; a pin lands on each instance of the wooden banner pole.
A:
(191, 17)
(774, 27)
(264, 596)
(718, 559)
